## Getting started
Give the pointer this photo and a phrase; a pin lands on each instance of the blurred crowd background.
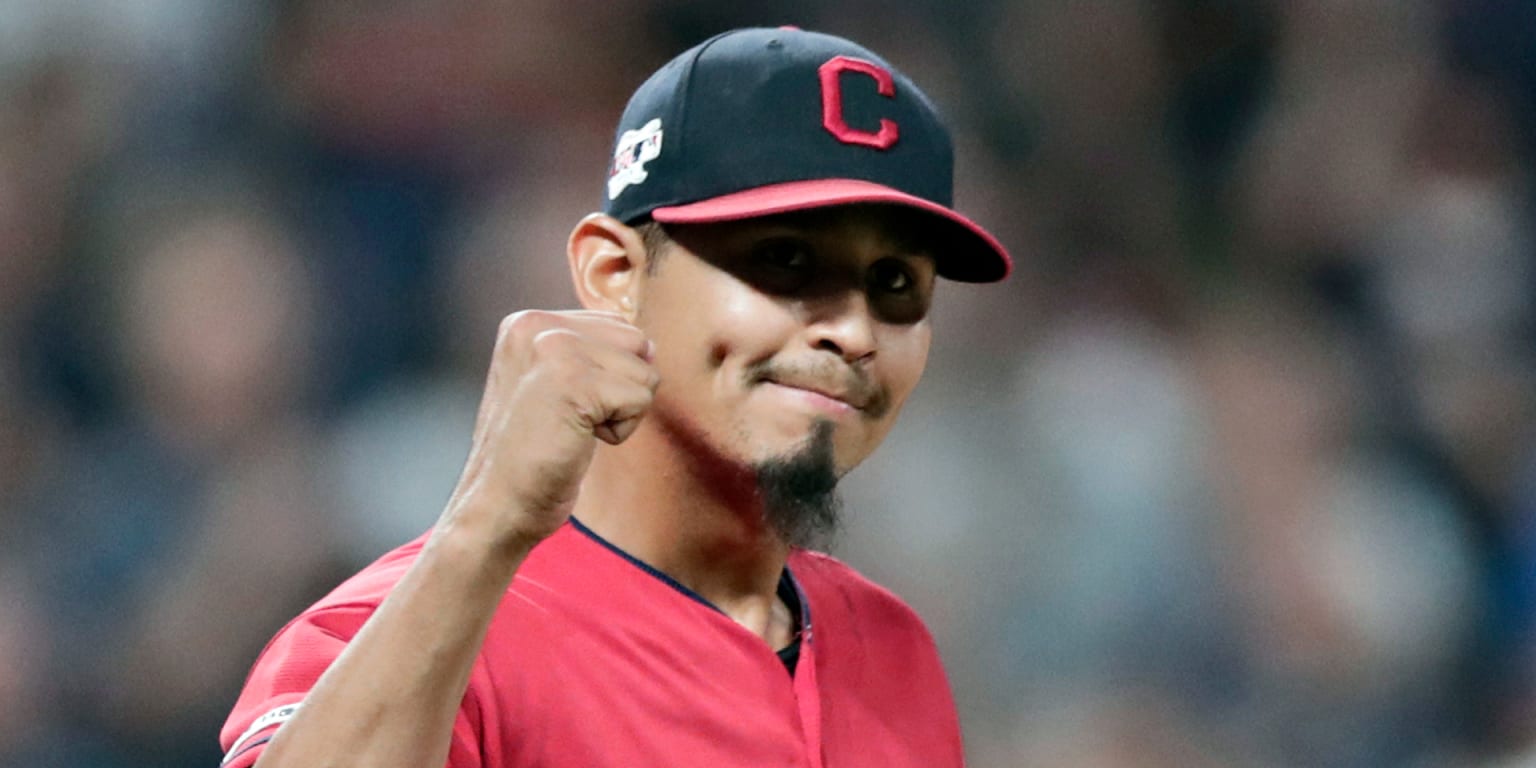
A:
(1239, 469)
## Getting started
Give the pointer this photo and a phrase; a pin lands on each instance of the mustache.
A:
(852, 385)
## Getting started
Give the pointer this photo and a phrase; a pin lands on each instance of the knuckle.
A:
(527, 322)
(554, 342)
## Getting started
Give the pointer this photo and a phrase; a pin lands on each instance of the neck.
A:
(696, 518)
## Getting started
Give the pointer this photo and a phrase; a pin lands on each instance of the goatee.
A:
(799, 491)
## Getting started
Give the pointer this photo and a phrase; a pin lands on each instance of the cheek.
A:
(906, 355)
(707, 336)
(742, 327)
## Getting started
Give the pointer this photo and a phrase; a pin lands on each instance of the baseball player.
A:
(621, 577)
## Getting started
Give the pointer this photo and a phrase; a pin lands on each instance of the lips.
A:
(851, 390)
(850, 386)
(835, 393)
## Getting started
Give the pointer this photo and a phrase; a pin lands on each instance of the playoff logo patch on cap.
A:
(635, 149)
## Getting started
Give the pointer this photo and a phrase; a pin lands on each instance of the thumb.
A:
(615, 431)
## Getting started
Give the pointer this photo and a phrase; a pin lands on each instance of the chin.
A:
(849, 445)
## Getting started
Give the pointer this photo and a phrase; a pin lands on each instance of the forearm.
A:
(391, 697)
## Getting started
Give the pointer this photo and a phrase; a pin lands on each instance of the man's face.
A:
(772, 331)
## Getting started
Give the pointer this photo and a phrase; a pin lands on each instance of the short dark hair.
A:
(653, 235)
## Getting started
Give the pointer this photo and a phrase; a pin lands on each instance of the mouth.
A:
(830, 388)
(828, 397)
(851, 392)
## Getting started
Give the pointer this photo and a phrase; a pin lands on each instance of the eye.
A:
(891, 276)
(785, 253)
(899, 292)
(782, 264)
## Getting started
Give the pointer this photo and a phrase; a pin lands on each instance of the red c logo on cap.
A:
(832, 102)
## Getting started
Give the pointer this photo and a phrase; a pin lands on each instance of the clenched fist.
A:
(558, 382)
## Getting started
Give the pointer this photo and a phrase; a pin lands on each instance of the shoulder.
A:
(370, 585)
(316, 634)
(822, 571)
(877, 666)
(300, 652)
(839, 594)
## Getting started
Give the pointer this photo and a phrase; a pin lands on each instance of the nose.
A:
(842, 324)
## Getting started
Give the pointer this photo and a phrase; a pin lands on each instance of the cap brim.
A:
(977, 257)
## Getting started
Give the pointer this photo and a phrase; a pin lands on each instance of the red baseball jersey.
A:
(594, 659)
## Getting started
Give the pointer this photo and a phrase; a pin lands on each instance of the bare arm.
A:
(559, 381)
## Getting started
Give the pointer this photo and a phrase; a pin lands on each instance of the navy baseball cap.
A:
(755, 122)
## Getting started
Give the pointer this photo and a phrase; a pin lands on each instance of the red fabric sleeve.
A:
(286, 670)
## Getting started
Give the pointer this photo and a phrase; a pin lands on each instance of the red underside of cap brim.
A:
(979, 259)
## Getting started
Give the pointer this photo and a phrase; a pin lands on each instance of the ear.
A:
(607, 259)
